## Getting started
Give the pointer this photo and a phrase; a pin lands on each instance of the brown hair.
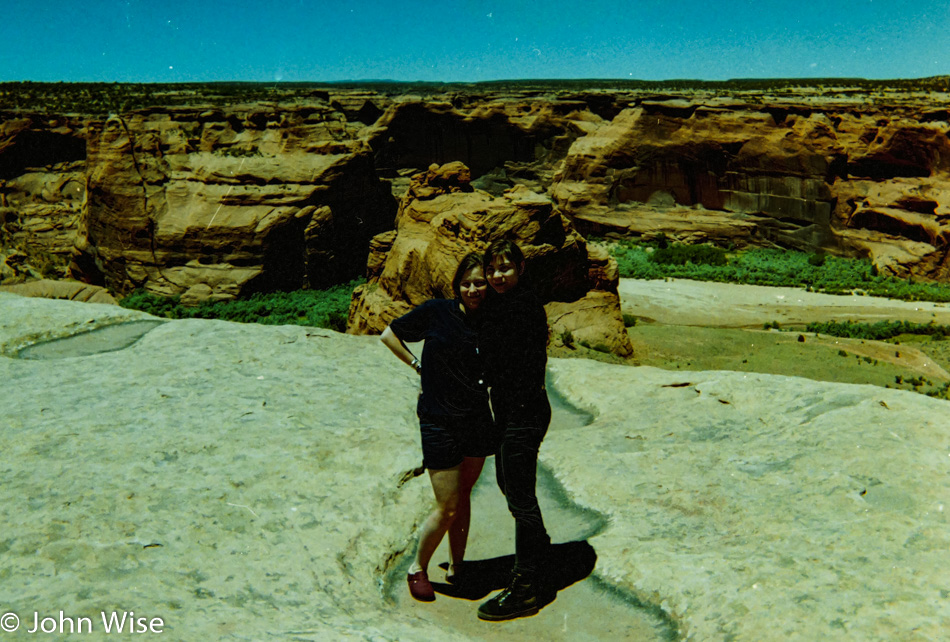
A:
(505, 248)
(469, 261)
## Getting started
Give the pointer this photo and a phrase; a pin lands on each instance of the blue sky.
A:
(470, 40)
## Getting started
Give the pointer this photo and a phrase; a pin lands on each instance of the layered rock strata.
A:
(858, 182)
(442, 218)
(289, 193)
(42, 190)
(213, 205)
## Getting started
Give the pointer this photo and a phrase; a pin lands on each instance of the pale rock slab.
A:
(247, 481)
(240, 482)
(756, 507)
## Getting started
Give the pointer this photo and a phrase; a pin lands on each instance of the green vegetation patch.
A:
(680, 254)
(879, 331)
(759, 266)
(704, 349)
(317, 308)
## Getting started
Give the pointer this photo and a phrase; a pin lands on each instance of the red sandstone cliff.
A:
(221, 201)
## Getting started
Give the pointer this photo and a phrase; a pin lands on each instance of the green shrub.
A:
(319, 308)
(680, 254)
(629, 320)
(758, 266)
(596, 347)
(942, 392)
(567, 339)
(879, 331)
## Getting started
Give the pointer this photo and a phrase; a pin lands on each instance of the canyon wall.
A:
(221, 201)
(855, 180)
(42, 189)
(218, 205)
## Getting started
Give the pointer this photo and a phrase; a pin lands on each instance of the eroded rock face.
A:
(854, 182)
(442, 218)
(42, 188)
(268, 195)
(211, 203)
(65, 289)
(513, 139)
(902, 223)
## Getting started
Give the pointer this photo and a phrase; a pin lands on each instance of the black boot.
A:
(520, 599)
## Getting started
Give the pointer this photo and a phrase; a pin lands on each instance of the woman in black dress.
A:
(454, 413)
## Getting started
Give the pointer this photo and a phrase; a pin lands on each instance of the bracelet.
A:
(416, 365)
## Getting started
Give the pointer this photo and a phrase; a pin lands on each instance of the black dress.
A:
(454, 392)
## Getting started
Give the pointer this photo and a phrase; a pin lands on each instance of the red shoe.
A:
(420, 588)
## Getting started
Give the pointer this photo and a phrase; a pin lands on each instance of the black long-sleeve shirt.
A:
(513, 338)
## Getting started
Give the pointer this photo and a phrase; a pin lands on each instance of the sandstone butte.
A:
(441, 218)
(233, 480)
(211, 202)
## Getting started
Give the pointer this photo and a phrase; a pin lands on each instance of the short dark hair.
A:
(505, 248)
(469, 261)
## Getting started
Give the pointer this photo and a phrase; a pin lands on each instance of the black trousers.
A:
(516, 466)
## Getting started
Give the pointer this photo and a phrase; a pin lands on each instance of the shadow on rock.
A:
(566, 564)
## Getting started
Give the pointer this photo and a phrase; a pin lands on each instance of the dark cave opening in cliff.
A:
(880, 169)
(419, 136)
(39, 149)
(874, 220)
(284, 261)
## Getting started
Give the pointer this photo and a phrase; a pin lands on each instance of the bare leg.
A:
(458, 530)
(445, 485)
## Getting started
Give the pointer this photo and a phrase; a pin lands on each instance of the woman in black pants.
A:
(513, 343)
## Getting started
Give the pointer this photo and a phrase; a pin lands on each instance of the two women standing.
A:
(485, 338)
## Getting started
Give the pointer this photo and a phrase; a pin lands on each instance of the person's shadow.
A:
(565, 564)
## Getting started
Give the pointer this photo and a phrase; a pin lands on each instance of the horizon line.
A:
(477, 82)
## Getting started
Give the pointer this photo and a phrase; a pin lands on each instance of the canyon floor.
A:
(692, 325)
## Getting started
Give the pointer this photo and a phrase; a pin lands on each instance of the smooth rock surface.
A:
(757, 507)
(237, 481)
(245, 482)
